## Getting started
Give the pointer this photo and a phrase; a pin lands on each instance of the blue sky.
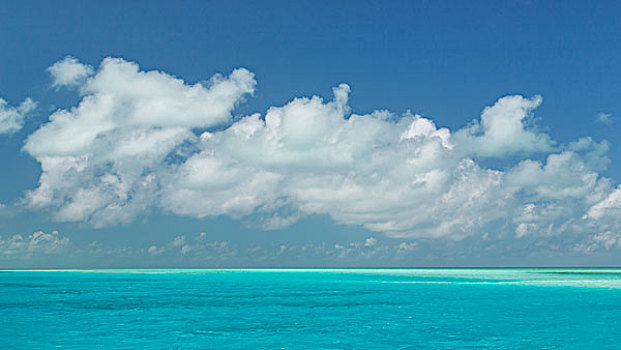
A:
(401, 166)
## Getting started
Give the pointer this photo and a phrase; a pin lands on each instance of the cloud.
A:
(369, 242)
(69, 72)
(53, 249)
(407, 247)
(12, 118)
(605, 118)
(155, 250)
(504, 129)
(194, 246)
(142, 140)
(608, 208)
(36, 243)
(600, 241)
(100, 159)
(393, 174)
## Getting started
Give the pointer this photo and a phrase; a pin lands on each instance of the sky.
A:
(310, 134)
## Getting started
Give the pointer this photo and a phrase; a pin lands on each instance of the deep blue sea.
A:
(311, 309)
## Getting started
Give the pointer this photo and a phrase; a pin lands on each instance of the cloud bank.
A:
(20, 246)
(204, 250)
(140, 140)
(192, 250)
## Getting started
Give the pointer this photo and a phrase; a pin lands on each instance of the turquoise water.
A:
(311, 309)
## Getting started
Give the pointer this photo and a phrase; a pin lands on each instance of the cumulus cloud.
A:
(369, 242)
(12, 118)
(407, 247)
(200, 250)
(69, 72)
(38, 242)
(606, 212)
(504, 129)
(100, 159)
(197, 246)
(600, 241)
(139, 140)
(391, 174)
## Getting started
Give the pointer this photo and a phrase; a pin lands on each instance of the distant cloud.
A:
(369, 242)
(41, 249)
(605, 118)
(198, 246)
(601, 241)
(406, 247)
(12, 118)
(36, 243)
(155, 250)
(54, 249)
(140, 140)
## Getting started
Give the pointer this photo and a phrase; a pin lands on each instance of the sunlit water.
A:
(311, 309)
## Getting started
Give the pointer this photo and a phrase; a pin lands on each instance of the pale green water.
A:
(312, 309)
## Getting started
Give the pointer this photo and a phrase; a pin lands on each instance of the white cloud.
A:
(402, 178)
(607, 208)
(100, 159)
(3, 209)
(564, 175)
(407, 247)
(604, 240)
(605, 118)
(195, 246)
(155, 250)
(147, 139)
(69, 72)
(504, 129)
(369, 242)
(12, 118)
(36, 243)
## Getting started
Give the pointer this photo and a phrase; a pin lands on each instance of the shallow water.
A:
(312, 309)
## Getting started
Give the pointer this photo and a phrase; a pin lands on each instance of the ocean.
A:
(547, 308)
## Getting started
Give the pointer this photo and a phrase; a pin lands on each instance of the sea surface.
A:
(311, 309)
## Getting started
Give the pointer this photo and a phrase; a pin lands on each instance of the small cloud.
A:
(38, 242)
(178, 241)
(155, 250)
(69, 72)
(12, 118)
(369, 242)
(605, 118)
(186, 249)
(407, 247)
(254, 249)
(600, 241)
